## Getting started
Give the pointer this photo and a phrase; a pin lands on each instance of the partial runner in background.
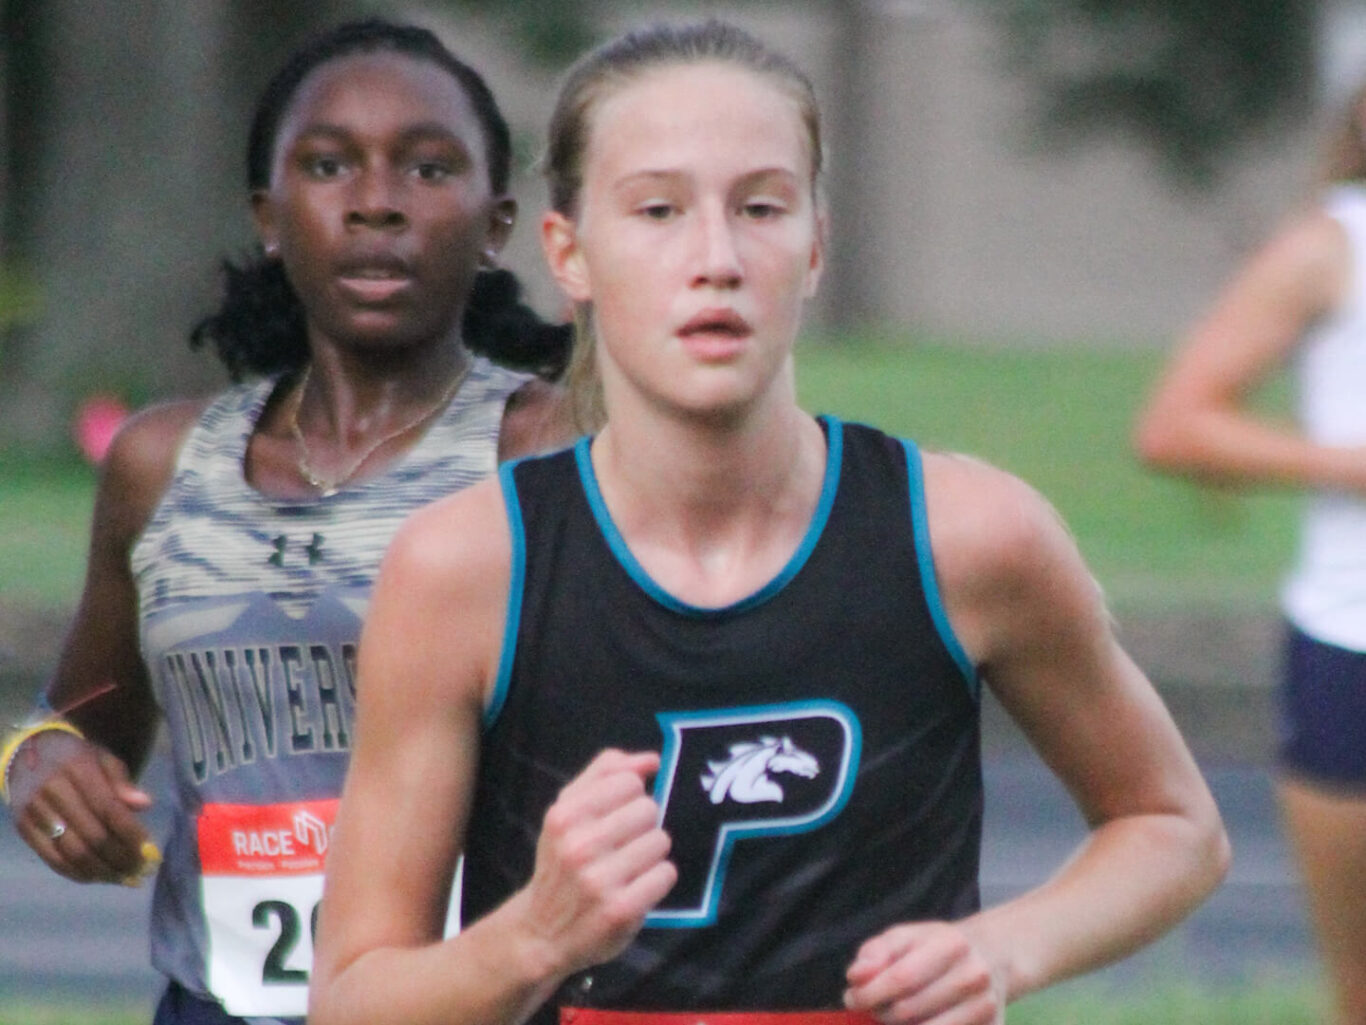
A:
(236, 539)
(1300, 300)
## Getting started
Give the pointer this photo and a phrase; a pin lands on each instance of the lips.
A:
(374, 278)
(716, 336)
(726, 323)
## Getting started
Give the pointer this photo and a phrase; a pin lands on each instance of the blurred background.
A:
(1013, 172)
(1029, 201)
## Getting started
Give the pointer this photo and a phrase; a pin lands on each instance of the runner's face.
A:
(379, 200)
(696, 237)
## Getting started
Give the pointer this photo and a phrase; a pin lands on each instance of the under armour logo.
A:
(314, 550)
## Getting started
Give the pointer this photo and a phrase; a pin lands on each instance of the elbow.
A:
(319, 1013)
(1161, 441)
(323, 1008)
(1222, 855)
(1211, 851)
(1152, 442)
(1218, 856)
(322, 1003)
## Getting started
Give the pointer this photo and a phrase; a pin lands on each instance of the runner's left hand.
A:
(925, 973)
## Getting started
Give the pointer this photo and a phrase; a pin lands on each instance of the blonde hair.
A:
(612, 66)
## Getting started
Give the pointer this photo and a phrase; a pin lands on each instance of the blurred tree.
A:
(849, 288)
(1191, 79)
(549, 31)
(20, 113)
(126, 124)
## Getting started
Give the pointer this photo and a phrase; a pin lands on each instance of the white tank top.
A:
(1325, 595)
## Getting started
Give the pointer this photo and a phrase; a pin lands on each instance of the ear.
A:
(502, 216)
(560, 243)
(263, 213)
(817, 265)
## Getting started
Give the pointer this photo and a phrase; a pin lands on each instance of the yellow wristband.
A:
(11, 746)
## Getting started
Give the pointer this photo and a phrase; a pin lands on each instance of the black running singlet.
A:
(821, 772)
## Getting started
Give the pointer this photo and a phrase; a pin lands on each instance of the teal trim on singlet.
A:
(512, 619)
(920, 524)
(610, 533)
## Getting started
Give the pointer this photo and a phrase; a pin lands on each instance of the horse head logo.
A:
(745, 775)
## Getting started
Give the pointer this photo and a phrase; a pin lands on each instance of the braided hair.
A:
(259, 328)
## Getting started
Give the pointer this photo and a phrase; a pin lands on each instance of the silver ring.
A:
(56, 831)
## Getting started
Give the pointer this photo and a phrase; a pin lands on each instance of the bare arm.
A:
(100, 683)
(1030, 615)
(423, 683)
(1197, 422)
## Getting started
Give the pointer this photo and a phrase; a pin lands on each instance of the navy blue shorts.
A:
(179, 1006)
(1323, 712)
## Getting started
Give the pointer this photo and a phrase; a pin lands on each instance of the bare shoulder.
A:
(141, 459)
(435, 623)
(1310, 235)
(1006, 562)
(453, 549)
(985, 522)
(539, 417)
(1307, 257)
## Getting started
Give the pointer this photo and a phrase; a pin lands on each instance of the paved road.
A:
(89, 943)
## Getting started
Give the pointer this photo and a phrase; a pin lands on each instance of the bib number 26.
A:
(283, 916)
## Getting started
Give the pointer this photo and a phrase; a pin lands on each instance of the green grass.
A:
(20, 299)
(1296, 1003)
(1061, 420)
(72, 1014)
(45, 510)
(1058, 418)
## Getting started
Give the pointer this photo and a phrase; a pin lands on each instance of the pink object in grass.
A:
(97, 420)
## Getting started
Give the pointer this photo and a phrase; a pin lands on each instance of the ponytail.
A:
(259, 328)
(503, 328)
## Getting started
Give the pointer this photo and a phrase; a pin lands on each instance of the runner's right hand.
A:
(601, 863)
(74, 804)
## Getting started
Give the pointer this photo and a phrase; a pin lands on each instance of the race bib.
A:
(262, 881)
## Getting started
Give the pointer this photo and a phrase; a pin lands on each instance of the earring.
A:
(272, 250)
(488, 259)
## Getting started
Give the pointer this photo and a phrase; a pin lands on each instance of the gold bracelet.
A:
(12, 743)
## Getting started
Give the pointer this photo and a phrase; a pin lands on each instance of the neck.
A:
(686, 464)
(353, 396)
(349, 417)
(712, 511)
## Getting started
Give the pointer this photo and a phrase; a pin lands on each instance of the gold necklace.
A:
(328, 487)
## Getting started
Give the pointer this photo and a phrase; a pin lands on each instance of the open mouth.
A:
(375, 280)
(725, 323)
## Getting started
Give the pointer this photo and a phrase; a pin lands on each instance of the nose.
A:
(718, 256)
(375, 201)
